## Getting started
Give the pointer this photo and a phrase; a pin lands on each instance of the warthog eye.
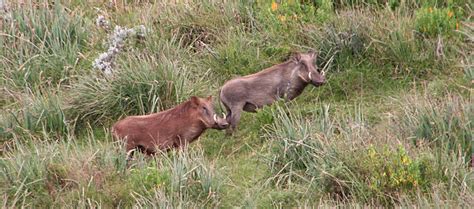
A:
(205, 110)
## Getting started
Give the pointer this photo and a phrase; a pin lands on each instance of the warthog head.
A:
(206, 113)
(308, 70)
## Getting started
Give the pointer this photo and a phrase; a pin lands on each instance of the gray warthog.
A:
(168, 129)
(286, 80)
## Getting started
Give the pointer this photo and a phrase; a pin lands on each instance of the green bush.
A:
(432, 21)
(57, 172)
(22, 176)
(149, 178)
(282, 21)
(355, 39)
(287, 13)
(408, 5)
(392, 170)
(325, 10)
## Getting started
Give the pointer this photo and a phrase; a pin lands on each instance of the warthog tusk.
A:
(223, 115)
(309, 75)
(215, 117)
(324, 73)
(129, 153)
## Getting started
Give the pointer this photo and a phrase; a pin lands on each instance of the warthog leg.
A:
(235, 117)
(229, 113)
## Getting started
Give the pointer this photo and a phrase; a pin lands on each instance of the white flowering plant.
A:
(116, 41)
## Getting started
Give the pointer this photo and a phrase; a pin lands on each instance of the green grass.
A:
(70, 171)
(392, 126)
(347, 159)
(43, 44)
(39, 113)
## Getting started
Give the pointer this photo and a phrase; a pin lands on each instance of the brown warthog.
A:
(168, 129)
(286, 80)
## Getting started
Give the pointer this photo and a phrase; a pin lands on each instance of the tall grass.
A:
(444, 123)
(191, 182)
(41, 45)
(84, 171)
(349, 161)
(35, 114)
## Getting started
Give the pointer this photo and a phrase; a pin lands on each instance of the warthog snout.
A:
(220, 123)
(319, 82)
(317, 79)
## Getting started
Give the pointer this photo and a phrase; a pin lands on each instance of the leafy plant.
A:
(433, 21)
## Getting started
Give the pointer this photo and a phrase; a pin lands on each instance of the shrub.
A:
(282, 21)
(56, 171)
(149, 178)
(435, 21)
(392, 170)
(295, 144)
(325, 10)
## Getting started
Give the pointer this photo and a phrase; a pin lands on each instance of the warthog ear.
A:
(313, 54)
(195, 100)
(296, 57)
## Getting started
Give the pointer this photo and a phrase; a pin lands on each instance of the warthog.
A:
(168, 129)
(286, 80)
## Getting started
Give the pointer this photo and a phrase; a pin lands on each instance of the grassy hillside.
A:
(392, 127)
